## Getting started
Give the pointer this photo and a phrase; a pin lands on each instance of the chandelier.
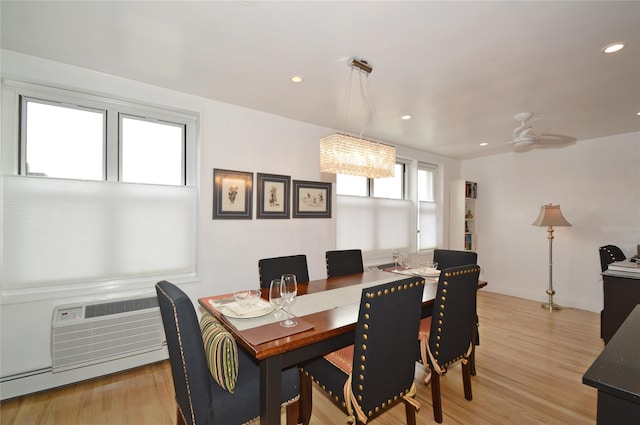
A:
(344, 154)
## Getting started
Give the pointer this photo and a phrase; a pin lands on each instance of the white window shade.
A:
(66, 231)
(373, 224)
(428, 224)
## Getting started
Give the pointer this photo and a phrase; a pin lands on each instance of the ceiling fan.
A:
(533, 133)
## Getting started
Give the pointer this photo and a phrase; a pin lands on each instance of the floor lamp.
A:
(550, 216)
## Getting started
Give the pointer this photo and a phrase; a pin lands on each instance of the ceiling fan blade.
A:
(549, 140)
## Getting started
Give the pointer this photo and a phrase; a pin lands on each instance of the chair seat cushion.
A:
(342, 359)
(221, 352)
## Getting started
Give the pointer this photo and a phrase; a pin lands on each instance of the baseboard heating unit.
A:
(86, 334)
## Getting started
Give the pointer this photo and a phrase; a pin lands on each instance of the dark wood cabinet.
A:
(621, 295)
(615, 374)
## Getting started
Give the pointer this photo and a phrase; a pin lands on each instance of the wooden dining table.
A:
(330, 330)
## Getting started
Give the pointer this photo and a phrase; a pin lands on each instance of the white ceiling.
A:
(461, 69)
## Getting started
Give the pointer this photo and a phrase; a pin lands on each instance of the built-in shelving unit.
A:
(462, 223)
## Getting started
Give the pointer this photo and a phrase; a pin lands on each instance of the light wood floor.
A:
(529, 363)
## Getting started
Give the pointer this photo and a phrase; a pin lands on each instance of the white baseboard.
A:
(44, 379)
(536, 296)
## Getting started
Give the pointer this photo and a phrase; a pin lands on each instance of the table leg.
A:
(270, 390)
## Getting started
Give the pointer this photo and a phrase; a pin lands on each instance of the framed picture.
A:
(232, 194)
(311, 199)
(273, 196)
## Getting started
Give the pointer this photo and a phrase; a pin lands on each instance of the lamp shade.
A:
(343, 154)
(550, 215)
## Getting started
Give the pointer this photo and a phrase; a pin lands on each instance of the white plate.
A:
(423, 272)
(263, 311)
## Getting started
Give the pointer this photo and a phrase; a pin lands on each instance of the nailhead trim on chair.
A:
(186, 377)
(360, 364)
(441, 316)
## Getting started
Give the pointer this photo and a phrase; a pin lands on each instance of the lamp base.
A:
(551, 306)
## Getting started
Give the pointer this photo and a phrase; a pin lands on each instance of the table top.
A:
(325, 324)
(616, 273)
(617, 369)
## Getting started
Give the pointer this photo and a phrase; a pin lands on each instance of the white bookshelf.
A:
(462, 221)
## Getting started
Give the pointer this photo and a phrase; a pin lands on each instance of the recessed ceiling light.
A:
(296, 79)
(612, 48)
(406, 117)
(484, 144)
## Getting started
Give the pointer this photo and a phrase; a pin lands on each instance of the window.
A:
(63, 141)
(95, 191)
(427, 207)
(152, 152)
(376, 217)
(390, 187)
(70, 141)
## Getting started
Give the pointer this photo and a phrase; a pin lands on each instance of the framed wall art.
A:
(311, 199)
(273, 196)
(232, 194)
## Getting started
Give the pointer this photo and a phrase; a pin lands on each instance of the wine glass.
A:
(289, 292)
(395, 255)
(276, 297)
(404, 260)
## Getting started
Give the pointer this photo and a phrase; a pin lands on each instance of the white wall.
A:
(597, 184)
(231, 138)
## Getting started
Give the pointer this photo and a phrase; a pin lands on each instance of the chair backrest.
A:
(342, 262)
(454, 315)
(609, 254)
(274, 268)
(191, 376)
(447, 258)
(386, 342)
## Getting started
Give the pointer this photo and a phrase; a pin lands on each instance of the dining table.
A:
(326, 312)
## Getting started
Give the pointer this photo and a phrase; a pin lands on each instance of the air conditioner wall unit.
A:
(86, 334)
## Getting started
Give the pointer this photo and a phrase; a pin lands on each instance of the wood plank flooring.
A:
(530, 364)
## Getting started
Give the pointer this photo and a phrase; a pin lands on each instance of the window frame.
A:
(14, 160)
(122, 116)
(23, 168)
(436, 200)
(13, 166)
(371, 182)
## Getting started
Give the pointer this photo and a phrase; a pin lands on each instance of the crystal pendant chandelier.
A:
(344, 154)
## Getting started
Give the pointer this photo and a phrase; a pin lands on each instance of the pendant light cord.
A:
(363, 94)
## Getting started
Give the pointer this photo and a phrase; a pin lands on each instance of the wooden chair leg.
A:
(472, 361)
(411, 413)
(306, 399)
(435, 397)
(466, 380)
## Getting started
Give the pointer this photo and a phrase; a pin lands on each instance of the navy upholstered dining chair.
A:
(610, 254)
(342, 262)
(200, 399)
(447, 258)
(377, 371)
(450, 332)
(275, 267)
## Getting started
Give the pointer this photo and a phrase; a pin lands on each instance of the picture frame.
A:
(232, 194)
(273, 199)
(311, 199)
